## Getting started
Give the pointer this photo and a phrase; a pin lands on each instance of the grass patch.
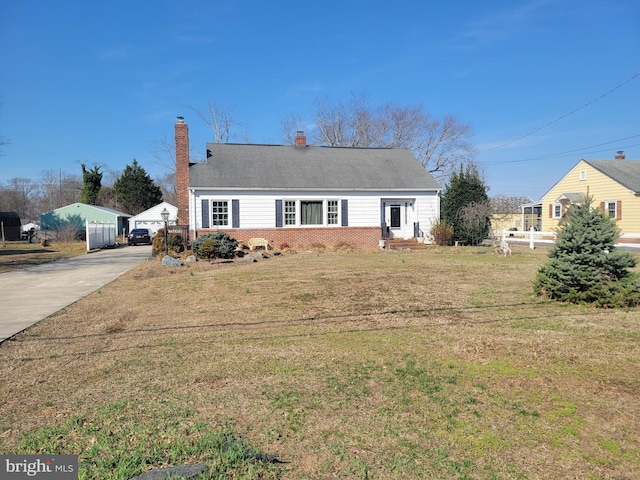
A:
(122, 439)
(18, 255)
(434, 364)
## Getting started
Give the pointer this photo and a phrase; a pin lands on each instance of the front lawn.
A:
(389, 365)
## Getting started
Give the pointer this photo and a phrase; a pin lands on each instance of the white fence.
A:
(533, 236)
(542, 237)
(100, 235)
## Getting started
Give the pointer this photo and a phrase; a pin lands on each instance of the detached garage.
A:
(152, 218)
(74, 217)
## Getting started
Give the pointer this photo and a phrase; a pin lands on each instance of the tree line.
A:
(131, 191)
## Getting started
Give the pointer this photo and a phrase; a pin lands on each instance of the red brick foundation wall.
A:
(360, 238)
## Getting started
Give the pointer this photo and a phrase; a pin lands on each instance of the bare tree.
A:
(219, 119)
(440, 144)
(3, 143)
(164, 152)
(343, 124)
(476, 218)
(20, 195)
(167, 184)
(290, 125)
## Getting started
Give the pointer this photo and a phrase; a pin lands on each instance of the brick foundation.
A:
(360, 238)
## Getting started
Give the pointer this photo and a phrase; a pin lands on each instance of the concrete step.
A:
(402, 244)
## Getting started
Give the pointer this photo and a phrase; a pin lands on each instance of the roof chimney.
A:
(620, 155)
(301, 140)
(182, 170)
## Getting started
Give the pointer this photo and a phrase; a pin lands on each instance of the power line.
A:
(568, 152)
(566, 114)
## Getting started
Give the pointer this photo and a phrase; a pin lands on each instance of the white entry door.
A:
(399, 218)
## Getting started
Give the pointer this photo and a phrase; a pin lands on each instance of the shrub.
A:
(343, 247)
(441, 232)
(284, 246)
(318, 247)
(225, 246)
(207, 249)
(175, 243)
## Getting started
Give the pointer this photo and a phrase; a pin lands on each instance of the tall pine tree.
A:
(584, 266)
(464, 188)
(135, 191)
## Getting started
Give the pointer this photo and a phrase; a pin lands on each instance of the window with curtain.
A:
(310, 212)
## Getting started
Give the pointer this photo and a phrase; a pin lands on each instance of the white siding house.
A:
(300, 194)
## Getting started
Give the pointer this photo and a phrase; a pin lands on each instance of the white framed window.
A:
(611, 208)
(332, 212)
(311, 212)
(583, 174)
(557, 210)
(290, 212)
(220, 213)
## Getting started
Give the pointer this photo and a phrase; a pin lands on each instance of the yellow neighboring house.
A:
(614, 186)
(508, 213)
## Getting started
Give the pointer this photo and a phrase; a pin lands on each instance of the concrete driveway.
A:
(31, 294)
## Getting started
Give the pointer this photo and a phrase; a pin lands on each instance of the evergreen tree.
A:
(135, 191)
(91, 184)
(465, 188)
(584, 266)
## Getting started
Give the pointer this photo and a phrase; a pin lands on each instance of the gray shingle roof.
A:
(625, 172)
(286, 167)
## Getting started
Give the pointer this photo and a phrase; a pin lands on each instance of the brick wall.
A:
(360, 238)
(182, 170)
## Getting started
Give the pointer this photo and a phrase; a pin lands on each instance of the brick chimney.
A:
(301, 140)
(620, 155)
(182, 170)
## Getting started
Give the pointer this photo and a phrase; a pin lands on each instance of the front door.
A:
(395, 217)
(398, 216)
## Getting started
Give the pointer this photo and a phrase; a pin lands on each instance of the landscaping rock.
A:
(168, 261)
(251, 259)
(262, 255)
(179, 472)
(191, 259)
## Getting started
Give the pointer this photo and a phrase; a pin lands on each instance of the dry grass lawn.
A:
(436, 364)
(17, 255)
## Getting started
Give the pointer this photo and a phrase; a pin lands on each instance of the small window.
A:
(611, 208)
(289, 212)
(220, 213)
(557, 210)
(583, 174)
(332, 212)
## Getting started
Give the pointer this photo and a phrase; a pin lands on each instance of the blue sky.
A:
(101, 82)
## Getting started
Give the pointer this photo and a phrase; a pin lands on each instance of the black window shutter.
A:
(345, 212)
(278, 213)
(205, 213)
(235, 213)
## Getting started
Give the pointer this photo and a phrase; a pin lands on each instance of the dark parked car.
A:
(138, 236)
